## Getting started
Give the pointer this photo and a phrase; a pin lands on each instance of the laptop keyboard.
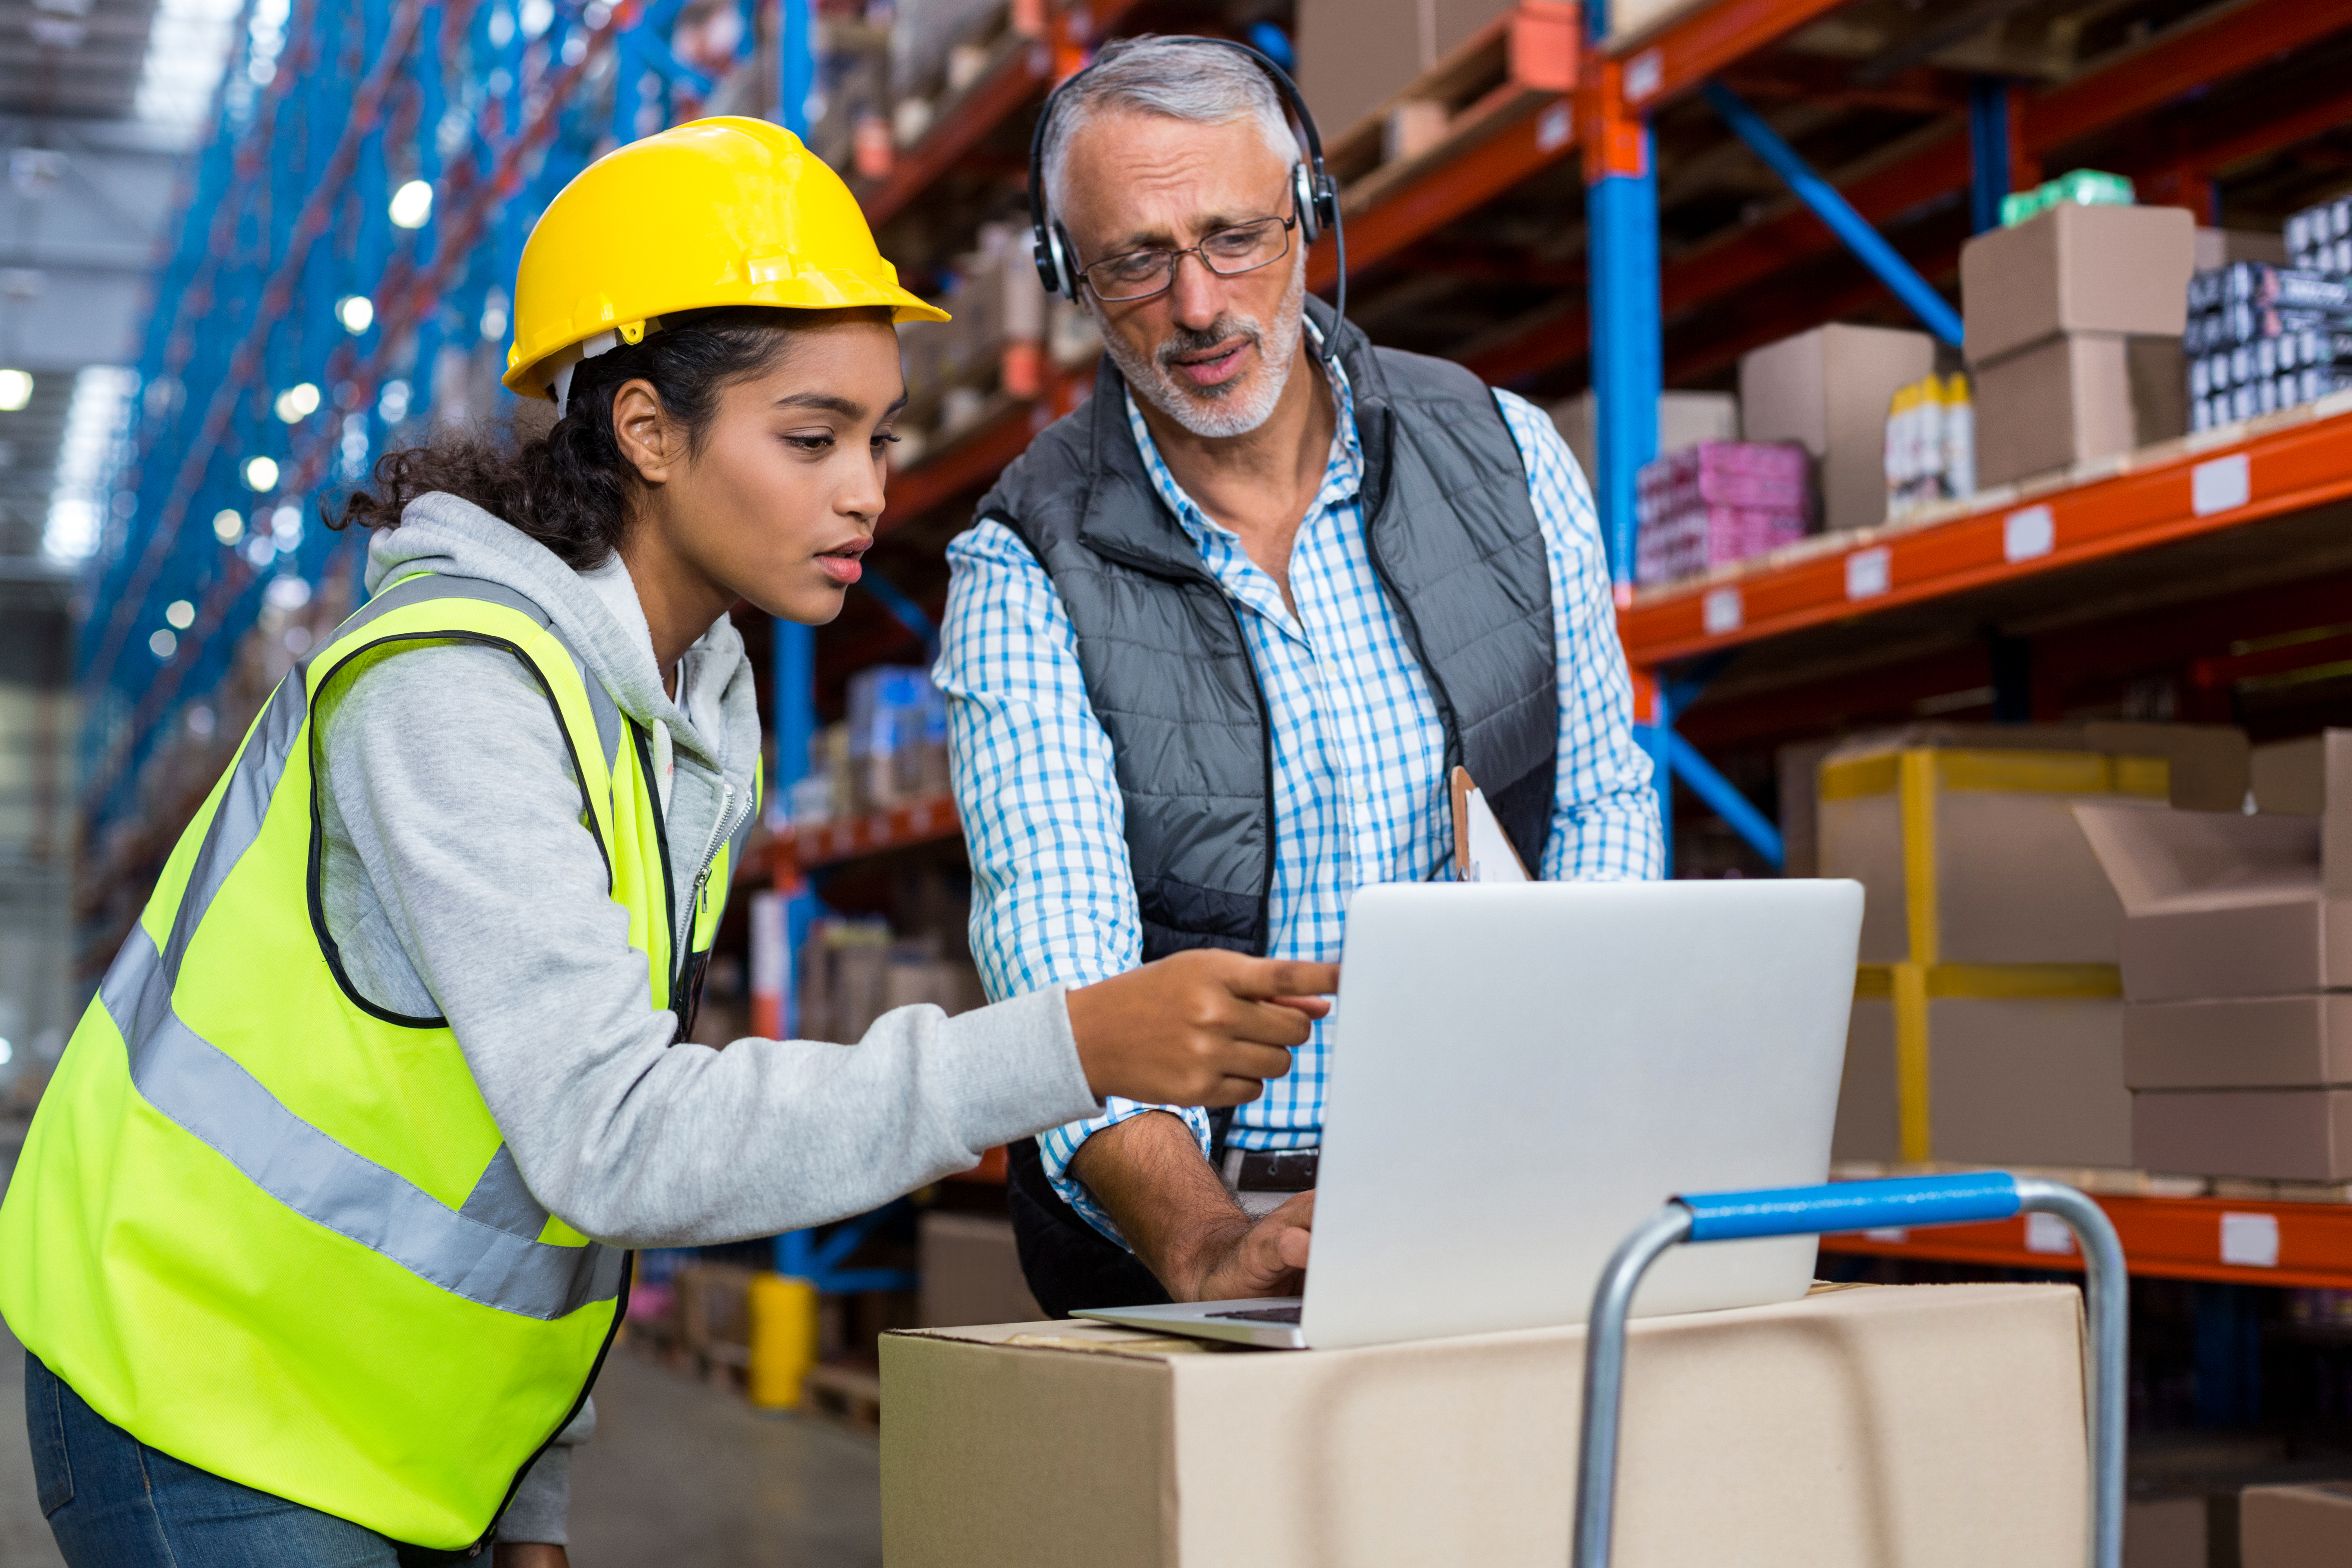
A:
(1262, 1315)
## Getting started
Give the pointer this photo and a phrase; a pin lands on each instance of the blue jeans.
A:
(113, 1503)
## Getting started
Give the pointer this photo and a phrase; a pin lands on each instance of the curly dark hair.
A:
(570, 487)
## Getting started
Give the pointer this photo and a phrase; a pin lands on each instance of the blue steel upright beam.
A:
(1988, 151)
(1621, 201)
(1867, 243)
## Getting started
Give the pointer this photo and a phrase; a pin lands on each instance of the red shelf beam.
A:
(2192, 492)
(2222, 1239)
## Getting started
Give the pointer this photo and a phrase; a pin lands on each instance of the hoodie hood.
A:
(597, 611)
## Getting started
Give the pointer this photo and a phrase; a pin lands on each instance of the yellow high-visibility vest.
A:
(269, 1227)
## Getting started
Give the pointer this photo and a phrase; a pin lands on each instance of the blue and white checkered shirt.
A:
(1359, 782)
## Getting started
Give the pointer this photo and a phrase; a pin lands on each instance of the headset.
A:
(1315, 196)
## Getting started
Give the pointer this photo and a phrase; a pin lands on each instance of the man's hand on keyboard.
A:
(1267, 1258)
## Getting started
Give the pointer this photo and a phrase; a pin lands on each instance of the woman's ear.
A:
(647, 437)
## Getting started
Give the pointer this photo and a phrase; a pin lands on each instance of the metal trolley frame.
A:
(1907, 1202)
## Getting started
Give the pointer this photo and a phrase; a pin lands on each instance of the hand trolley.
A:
(1907, 1202)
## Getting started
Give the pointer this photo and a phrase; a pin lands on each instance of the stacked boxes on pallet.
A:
(1988, 1024)
(1717, 503)
(2236, 959)
(2319, 239)
(2074, 327)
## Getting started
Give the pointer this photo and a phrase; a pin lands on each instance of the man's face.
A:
(1211, 353)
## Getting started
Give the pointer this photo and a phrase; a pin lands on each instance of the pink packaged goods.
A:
(1691, 540)
(1717, 503)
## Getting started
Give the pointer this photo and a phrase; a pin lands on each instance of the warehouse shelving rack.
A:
(2163, 545)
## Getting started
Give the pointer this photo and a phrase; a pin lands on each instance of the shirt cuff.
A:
(1057, 1148)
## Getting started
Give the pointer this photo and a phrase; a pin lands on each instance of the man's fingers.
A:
(1313, 1006)
(1269, 1024)
(1234, 1091)
(1265, 978)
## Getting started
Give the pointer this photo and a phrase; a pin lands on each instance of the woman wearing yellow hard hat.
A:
(319, 1236)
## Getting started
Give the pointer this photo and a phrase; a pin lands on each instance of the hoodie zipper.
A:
(686, 978)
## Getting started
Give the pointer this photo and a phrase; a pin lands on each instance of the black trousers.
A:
(1069, 1263)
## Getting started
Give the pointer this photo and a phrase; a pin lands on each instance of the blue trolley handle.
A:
(1859, 1205)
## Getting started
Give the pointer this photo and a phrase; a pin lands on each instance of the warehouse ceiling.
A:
(98, 100)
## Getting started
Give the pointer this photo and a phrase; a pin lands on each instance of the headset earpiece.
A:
(1052, 250)
(1306, 204)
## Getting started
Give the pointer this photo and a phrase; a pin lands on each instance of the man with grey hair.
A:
(1217, 640)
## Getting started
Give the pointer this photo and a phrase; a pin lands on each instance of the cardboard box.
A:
(2223, 904)
(2014, 881)
(1829, 389)
(2011, 1080)
(1860, 1425)
(2165, 1532)
(2075, 268)
(2295, 1527)
(2072, 398)
(971, 1272)
(1356, 55)
(2280, 1135)
(2290, 777)
(2218, 247)
(2251, 1042)
(1685, 419)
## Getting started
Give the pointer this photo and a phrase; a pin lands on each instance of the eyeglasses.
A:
(1228, 253)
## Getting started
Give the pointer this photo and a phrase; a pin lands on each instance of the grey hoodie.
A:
(459, 881)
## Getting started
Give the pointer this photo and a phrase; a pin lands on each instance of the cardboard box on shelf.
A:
(1828, 390)
(2246, 1042)
(2023, 1080)
(2283, 1135)
(2013, 879)
(2165, 1532)
(1685, 419)
(970, 1271)
(1356, 55)
(2077, 396)
(2290, 777)
(2108, 269)
(1858, 1426)
(2217, 247)
(2295, 1527)
(2219, 903)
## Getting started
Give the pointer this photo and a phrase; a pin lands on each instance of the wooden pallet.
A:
(847, 1394)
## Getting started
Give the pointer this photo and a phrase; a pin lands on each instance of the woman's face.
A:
(779, 501)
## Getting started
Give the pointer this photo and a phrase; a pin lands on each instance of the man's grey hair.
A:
(1180, 78)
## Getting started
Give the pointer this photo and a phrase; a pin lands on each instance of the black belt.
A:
(1272, 1170)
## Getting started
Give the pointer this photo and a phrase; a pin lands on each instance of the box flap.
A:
(2163, 861)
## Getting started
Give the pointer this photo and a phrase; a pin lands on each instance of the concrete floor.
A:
(678, 1473)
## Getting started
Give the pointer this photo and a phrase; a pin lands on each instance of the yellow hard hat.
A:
(719, 212)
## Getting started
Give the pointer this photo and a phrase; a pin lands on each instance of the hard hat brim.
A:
(532, 377)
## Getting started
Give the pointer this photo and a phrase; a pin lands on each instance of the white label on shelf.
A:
(2047, 1232)
(1721, 611)
(2028, 534)
(1644, 74)
(1868, 572)
(1891, 1234)
(2221, 484)
(2250, 1240)
(1552, 131)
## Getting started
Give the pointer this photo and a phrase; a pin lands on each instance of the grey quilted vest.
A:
(1453, 537)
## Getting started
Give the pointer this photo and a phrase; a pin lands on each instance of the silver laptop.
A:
(1522, 1073)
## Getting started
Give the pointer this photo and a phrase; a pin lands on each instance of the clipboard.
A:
(1482, 850)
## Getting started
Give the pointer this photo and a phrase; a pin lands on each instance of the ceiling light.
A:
(261, 474)
(412, 205)
(356, 311)
(181, 614)
(15, 390)
(228, 525)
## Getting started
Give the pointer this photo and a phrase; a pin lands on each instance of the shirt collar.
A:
(1342, 472)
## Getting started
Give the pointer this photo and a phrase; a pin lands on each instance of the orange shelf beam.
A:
(924, 821)
(2297, 462)
(2225, 1239)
